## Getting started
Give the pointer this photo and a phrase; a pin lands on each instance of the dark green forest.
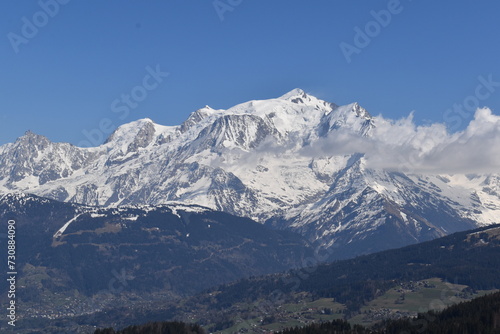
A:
(481, 315)
(156, 328)
(458, 258)
(470, 258)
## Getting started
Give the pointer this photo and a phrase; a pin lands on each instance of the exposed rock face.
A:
(249, 161)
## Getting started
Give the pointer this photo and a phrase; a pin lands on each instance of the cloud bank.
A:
(403, 146)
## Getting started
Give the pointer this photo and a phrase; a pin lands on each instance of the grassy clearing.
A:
(410, 298)
(290, 315)
(406, 299)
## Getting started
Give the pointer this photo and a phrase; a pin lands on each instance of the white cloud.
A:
(403, 146)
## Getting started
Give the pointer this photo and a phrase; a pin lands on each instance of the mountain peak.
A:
(31, 138)
(197, 116)
(298, 96)
(360, 111)
(294, 93)
(126, 133)
(31, 134)
(293, 159)
(143, 121)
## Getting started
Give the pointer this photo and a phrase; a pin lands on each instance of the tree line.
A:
(481, 315)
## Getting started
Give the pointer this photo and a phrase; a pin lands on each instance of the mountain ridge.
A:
(287, 162)
(464, 263)
(172, 250)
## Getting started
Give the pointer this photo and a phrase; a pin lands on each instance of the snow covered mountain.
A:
(287, 162)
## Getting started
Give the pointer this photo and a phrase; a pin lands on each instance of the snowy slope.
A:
(257, 159)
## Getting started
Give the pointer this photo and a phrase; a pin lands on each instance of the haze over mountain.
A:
(336, 174)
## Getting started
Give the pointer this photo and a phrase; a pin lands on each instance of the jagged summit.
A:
(360, 111)
(294, 93)
(130, 129)
(257, 159)
(31, 137)
(197, 116)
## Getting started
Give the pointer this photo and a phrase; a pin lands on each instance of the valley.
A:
(245, 219)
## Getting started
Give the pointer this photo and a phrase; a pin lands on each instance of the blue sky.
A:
(63, 78)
